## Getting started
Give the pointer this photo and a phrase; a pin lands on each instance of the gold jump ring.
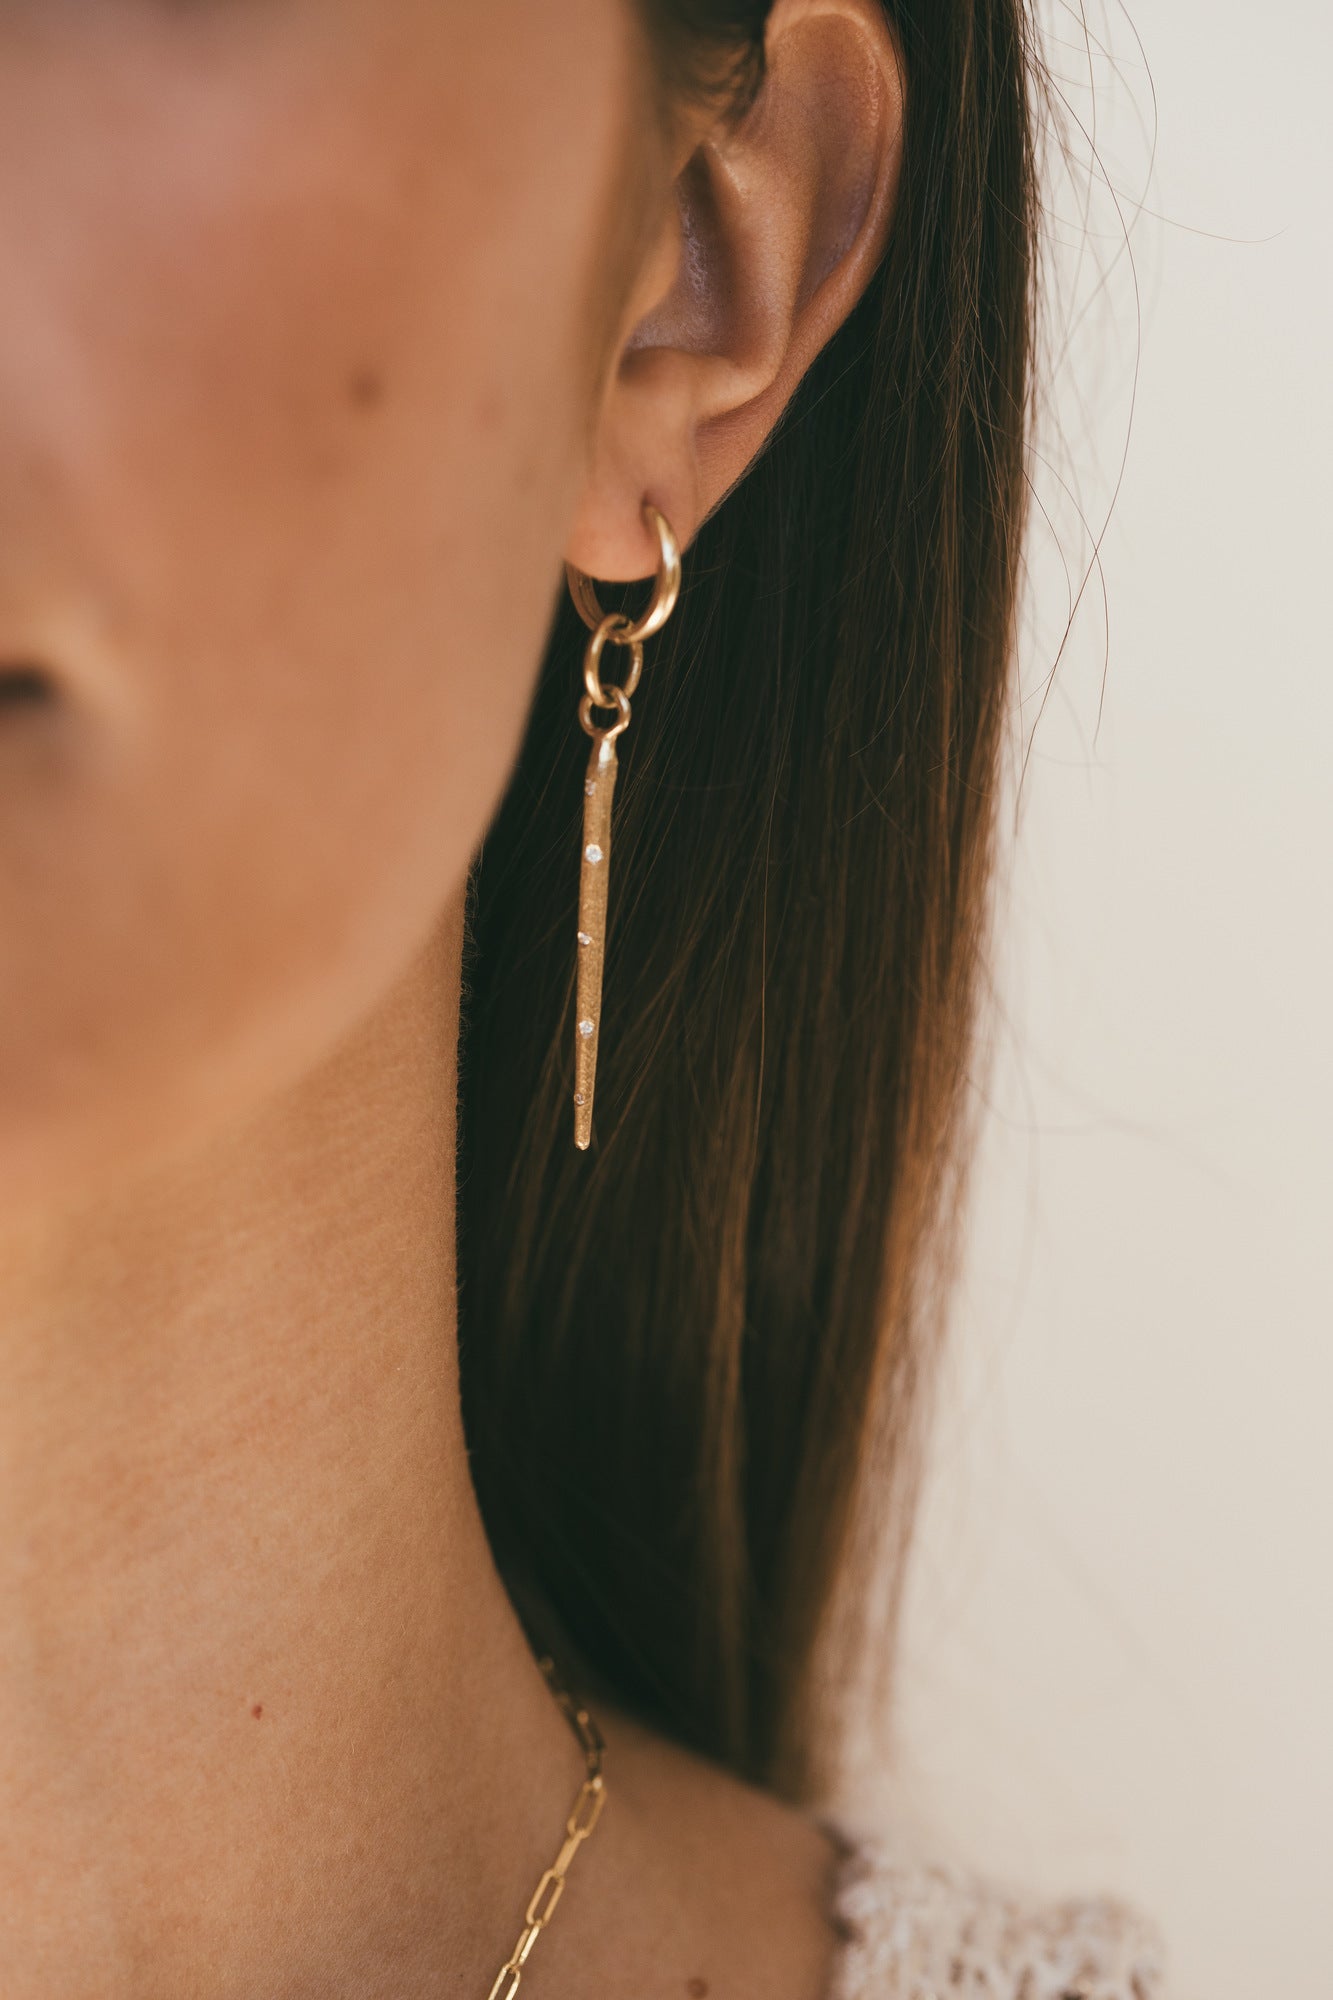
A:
(618, 699)
(612, 627)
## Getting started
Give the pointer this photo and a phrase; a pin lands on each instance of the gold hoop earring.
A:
(607, 628)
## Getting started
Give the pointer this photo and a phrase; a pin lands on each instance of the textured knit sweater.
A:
(918, 1930)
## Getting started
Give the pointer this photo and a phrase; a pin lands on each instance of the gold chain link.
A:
(583, 1817)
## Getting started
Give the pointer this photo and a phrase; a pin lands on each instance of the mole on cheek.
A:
(365, 390)
(697, 1989)
(257, 1710)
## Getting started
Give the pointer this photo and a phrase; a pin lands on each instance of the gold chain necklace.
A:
(583, 1817)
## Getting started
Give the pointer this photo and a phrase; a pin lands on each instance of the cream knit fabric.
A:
(919, 1930)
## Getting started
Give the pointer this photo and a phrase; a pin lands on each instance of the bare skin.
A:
(298, 415)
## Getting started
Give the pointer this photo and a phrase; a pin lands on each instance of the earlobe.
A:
(781, 222)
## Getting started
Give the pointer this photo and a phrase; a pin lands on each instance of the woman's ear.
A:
(777, 226)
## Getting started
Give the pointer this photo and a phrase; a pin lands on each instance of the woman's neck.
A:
(267, 1721)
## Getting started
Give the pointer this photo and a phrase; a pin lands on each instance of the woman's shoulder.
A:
(916, 1929)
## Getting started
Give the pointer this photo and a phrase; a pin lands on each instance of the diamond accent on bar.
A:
(586, 1027)
(593, 851)
(584, 938)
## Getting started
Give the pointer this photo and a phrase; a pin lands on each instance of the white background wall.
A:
(1119, 1663)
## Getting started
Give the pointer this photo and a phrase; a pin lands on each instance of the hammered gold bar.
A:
(598, 785)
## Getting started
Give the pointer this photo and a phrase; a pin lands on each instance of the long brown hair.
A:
(693, 1359)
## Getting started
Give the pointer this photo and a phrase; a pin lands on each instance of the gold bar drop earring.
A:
(599, 783)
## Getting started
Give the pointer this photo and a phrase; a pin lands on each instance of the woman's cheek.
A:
(289, 422)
